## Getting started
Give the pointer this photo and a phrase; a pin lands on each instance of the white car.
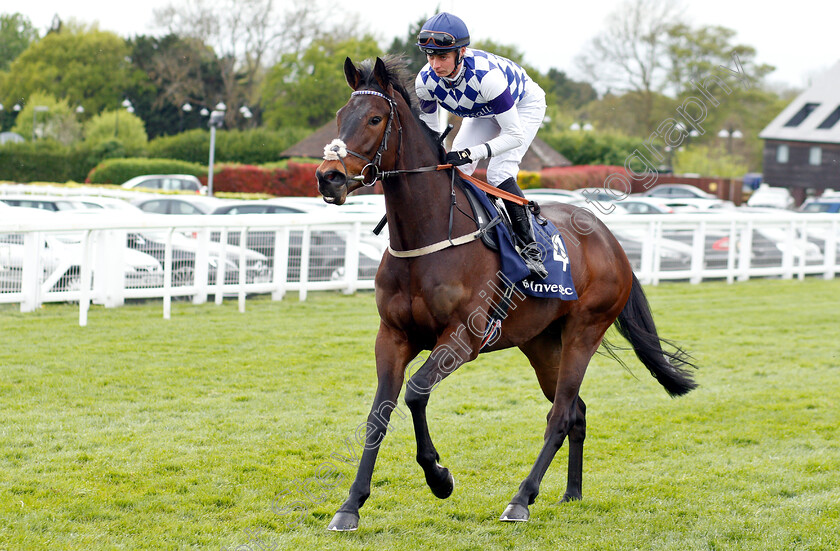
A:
(61, 256)
(166, 182)
(773, 197)
(685, 198)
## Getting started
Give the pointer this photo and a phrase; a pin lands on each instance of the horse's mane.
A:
(403, 82)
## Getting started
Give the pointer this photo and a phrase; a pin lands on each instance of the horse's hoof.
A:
(444, 489)
(515, 513)
(344, 522)
(571, 497)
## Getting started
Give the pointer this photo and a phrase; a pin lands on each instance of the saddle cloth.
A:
(558, 283)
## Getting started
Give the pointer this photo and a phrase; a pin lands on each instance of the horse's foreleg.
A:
(392, 355)
(578, 348)
(444, 359)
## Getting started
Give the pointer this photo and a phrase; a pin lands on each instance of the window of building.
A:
(802, 114)
(831, 120)
(781, 154)
(815, 156)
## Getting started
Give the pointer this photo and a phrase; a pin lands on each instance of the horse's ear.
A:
(380, 73)
(351, 74)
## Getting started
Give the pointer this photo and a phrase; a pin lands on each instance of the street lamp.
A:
(217, 120)
(80, 110)
(128, 107)
(729, 134)
(586, 127)
(186, 108)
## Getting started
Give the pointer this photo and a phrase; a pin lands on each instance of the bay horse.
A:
(431, 301)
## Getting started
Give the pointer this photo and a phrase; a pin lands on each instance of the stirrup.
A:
(533, 260)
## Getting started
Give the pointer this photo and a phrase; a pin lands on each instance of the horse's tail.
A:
(635, 323)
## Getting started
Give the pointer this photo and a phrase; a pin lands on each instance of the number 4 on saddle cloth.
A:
(558, 283)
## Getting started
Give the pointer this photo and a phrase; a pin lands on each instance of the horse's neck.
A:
(418, 204)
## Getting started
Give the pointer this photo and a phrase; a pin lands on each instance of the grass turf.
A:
(141, 433)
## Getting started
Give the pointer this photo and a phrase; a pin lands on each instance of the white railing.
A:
(103, 259)
(97, 258)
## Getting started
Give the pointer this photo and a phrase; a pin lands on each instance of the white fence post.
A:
(31, 271)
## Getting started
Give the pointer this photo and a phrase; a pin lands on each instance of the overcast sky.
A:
(800, 39)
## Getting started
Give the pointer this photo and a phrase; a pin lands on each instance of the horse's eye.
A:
(375, 120)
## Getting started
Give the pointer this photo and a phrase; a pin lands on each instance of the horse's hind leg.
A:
(577, 434)
(580, 341)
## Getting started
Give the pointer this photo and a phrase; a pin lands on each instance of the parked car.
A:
(178, 204)
(326, 257)
(645, 205)
(42, 202)
(684, 197)
(766, 250)
(773, 197)
(166, 182)
(61, 259)
(828, 202)
(184, 248)
(547, 195)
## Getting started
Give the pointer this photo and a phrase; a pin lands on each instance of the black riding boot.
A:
(521, 222)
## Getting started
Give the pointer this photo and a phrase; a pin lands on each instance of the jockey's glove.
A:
(458, 158)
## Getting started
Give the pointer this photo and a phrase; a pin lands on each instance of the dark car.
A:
(326, 256)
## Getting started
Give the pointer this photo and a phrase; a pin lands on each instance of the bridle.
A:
(339, 150)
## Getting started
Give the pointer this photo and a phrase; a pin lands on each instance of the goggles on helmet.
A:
(436, 38)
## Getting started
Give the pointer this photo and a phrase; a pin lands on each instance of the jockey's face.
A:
(444, 64)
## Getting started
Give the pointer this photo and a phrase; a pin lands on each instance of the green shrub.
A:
(45, 161)
(256, 146)
(122, 126)
(117, 171)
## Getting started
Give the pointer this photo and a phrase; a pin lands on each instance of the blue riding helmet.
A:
(442, 33)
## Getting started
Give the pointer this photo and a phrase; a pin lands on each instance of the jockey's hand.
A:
(458, 158)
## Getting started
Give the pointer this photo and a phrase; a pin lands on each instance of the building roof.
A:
(814, 116)
(540, 155)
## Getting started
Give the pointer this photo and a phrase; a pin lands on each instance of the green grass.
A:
(140, 433)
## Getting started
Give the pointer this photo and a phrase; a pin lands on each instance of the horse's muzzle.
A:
(332, 184)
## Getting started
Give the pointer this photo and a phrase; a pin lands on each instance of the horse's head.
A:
(366, 144)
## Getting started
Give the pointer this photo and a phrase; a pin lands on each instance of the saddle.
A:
(483, 218)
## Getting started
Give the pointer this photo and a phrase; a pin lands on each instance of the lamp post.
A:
(128, 107)
(730, 133)
(576, 126)
(186, 108)
(217, 120)
(35, 110)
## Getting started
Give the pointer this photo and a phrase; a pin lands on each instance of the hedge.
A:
(295, 179)
(117, 171)
(577, 177)
(255, 147)
(45, 161)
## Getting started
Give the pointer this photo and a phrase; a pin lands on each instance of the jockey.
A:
(502, 109)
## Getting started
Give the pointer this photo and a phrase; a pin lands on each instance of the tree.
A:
(117, 129)
(176, 71)
(45, 117)
(308, 90)
(630, 54)
(86, 68)
(569, 93)
(16, 34)
(694, 53)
